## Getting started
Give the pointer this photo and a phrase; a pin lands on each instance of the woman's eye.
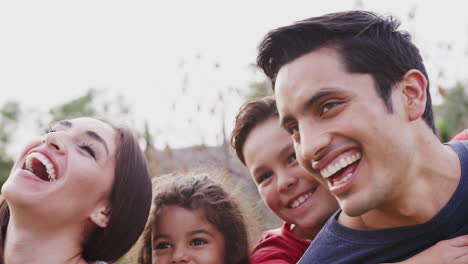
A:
(163, 245)
(198, 242)
(328, 106)
(49, 130)
(88, 149)
(264, 177)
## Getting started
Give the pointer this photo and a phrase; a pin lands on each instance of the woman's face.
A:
(186, 236)
(65, 176)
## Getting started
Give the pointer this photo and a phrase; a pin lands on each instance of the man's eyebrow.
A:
(97, 137)
(316, 97)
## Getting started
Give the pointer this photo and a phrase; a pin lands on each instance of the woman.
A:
(80, 193)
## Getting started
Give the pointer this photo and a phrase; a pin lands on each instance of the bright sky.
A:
(161, 54)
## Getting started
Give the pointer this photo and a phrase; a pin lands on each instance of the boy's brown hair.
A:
(250, 115)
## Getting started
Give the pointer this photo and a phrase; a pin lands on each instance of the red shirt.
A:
(279, 246)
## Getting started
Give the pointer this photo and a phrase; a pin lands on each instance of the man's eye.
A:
(328, 106)
(198, 242)
(292, 158)
(163, 245)
(264, 177)
(296, 136)
(291, 129)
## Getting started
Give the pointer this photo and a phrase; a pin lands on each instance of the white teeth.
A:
(300, 200)
(45, 161)
(342, 180)
(342, 163)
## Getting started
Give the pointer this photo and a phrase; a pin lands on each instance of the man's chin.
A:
(352, 210)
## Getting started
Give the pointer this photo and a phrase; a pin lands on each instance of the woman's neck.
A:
(36, 245)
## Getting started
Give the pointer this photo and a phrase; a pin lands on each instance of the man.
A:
(353, 92)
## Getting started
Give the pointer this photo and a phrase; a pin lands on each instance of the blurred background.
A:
(177, 71)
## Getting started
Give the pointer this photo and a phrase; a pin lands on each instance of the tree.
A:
(81, 106)
(451, 116)
(9, 116)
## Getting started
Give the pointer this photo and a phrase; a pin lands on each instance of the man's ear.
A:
(101, 215)
(414, 89)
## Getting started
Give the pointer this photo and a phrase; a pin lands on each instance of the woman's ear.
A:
(414, 89)
(101, 215)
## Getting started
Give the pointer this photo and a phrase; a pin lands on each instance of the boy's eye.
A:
(88, 149)
(263, 177)
(198, 242)
(163, 245)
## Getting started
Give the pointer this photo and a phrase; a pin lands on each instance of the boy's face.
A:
(343, 133)
(287, 189)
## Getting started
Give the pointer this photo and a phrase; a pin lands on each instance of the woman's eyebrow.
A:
(97, 137)
(89, 133)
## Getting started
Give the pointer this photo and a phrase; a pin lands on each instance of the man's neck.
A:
(428, 186)
(39, 246)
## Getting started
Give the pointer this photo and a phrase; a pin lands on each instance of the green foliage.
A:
(81, 106)
(258, 90)
(451, 116)
(9, 117)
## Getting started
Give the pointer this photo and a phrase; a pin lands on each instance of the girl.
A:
(292, 194)
(78, 194)
(194, 220)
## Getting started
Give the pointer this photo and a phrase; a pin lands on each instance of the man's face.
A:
(343, 133)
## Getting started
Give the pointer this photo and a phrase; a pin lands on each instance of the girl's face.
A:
(287, 189)
(65, 176)
(185, 236)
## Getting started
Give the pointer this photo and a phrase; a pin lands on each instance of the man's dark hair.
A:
(366, 42)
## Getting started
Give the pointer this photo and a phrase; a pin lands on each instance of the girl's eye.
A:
(264, 177)
(49, 130)
(163, 245)
(88, 149)
(198, 242)
(328, 106)
(292, 158)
